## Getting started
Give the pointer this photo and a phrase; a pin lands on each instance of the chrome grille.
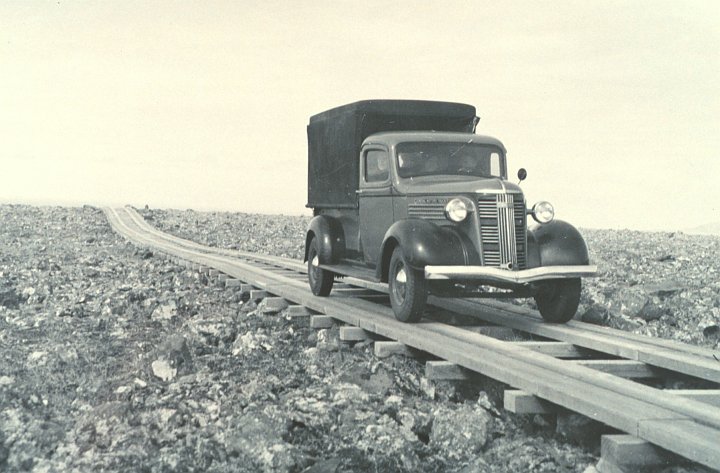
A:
(431, 211)
(502, 230)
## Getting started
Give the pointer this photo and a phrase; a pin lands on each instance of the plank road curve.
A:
(681, 425)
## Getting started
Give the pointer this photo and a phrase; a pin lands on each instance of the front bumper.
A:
(497, 275)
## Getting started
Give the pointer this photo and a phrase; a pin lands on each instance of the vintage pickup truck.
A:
(405, 192)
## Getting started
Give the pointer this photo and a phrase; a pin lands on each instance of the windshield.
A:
(427, 158)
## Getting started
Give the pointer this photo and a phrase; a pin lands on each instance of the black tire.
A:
(558, 300)
(408, 289)
(321, 281)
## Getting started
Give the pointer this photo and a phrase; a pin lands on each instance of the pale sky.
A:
(612, 106)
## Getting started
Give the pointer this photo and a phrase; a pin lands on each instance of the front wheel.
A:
(408, 289)
(321, 281)
(558, 300)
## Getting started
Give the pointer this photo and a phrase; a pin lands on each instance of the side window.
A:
(376, 166)
(495, 164)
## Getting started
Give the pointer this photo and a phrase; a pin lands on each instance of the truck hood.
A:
(455, 185)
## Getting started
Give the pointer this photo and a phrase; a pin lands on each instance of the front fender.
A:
(330, 236)
(556, 244)
(424, 243)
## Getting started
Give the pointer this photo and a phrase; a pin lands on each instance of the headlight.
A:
(456, 210)
(543, 212)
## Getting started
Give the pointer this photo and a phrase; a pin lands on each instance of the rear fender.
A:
(330, 236)
(556, 244)
(424, 243)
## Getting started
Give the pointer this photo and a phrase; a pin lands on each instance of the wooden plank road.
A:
(684, 426)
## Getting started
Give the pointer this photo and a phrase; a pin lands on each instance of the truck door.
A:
(374, 200)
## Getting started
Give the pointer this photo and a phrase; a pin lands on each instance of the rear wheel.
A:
(558, 300)
(321, 281)
(408, 289)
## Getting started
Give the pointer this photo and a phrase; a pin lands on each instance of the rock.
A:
(165, 311)
(461, 431)
(628, 301)
(665, 288)
(712, 332)
(163, 370)
(249, 342)
(595, 315)
(395, 441)
(174, 350)
(651, 311)
(328, 340)
(330, 465)
(477, 465)
(427, 387)
(272, 305)
(6, 380)
(214, 330)
(9, 298)
(259, 437)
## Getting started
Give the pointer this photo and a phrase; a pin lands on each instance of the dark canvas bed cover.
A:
(335, 137)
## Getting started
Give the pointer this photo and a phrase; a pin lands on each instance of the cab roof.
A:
(393, 138)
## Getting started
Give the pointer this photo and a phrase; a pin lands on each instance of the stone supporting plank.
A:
(232, 282)
(274, 304)
(321, 321)
(213, 273)
(386, 349)
(246, 287)
(353, 334)
(298, 311)
(629, 454)
(445, 371)
(221, 278)
(257, 294)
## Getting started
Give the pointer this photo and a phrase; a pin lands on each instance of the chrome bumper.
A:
(490, 274)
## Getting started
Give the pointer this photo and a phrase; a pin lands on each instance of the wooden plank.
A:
(709, 396)
(556, 349)
(685, 437)
(321, 321)
(698, 362)
(622, 368)
(521, 402)
(386, 349)
(445, 371)
(529, 404)
(353, 334)
(627, 453)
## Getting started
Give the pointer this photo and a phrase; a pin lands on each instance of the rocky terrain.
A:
(114, 359)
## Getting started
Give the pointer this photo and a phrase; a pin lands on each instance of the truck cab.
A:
(405, 192)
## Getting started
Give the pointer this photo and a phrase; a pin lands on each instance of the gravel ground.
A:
(113, 359)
